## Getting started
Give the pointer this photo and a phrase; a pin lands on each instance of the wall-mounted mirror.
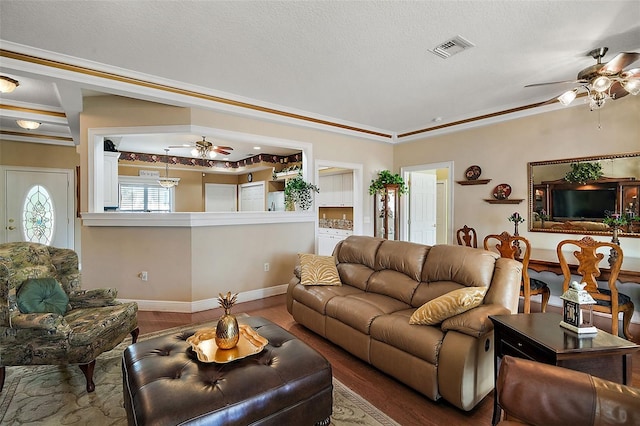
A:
(575, 195)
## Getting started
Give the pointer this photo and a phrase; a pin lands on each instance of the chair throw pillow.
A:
(448, 305)
(42, 295)
(318, 270)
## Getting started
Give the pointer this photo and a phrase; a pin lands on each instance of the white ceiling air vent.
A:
(451, 47)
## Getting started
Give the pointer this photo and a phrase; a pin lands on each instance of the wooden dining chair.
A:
(467, 237)
(507, 245)
(589, 254)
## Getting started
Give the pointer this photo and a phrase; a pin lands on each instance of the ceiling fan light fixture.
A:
(567, 97)
(8, 85)
(601, 84)
(632, 85)
(195, 152)
(28, 124)
(212, 154)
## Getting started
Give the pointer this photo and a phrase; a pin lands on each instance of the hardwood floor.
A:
(398, 401)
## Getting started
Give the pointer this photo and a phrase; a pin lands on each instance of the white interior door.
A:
(38, 206)
(220, 197)
(422, 208)
(252, 197)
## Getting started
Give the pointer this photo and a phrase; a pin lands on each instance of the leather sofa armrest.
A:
(474, 322)
(93, 298)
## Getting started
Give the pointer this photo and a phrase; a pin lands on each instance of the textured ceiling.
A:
(358, 62)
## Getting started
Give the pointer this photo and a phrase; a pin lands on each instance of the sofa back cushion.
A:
(407, 258)
(356, 257)
(465, 265)
(358, 249)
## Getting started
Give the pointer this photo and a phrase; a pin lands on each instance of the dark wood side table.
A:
(539, 337)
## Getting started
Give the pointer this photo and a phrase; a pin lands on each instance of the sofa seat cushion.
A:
(316, 297)
(90, 325)
(359, 310)
(420, 341)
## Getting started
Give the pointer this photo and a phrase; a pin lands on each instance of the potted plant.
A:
(584, 172)
(298, 193)
(385, 177)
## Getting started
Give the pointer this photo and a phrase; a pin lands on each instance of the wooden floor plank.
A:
(398, 401)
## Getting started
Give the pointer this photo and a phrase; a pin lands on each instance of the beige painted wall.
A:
(25, 154)
(503, 150)
(229, 258)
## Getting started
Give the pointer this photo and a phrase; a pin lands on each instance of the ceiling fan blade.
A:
(556, 82)
(618, 63)
(631, 73)
(221, 151)
(228, 148)
(617, 91)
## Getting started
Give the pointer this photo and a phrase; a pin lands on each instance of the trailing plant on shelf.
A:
(584, 172)
(385, 177)
(298, 192)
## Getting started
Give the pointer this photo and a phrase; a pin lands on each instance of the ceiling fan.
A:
(602, 80)
(205, 149)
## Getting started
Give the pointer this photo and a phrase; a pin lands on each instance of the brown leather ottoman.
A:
(288, 383)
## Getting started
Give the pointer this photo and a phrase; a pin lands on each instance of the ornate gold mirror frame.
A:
(547, 183)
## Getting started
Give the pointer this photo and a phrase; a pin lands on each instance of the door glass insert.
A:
(38, 216)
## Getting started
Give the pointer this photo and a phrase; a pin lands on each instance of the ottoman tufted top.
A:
(164, 383)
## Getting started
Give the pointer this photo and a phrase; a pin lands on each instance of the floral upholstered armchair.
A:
(46, 318)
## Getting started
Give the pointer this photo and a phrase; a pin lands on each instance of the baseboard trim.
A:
(206, 304)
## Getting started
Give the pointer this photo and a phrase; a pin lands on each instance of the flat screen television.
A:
(586, 204)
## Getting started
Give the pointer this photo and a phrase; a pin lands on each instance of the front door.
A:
(38, 206)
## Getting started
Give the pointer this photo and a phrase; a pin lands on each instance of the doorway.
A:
(38, 205)
(427, 214)
(354, 187)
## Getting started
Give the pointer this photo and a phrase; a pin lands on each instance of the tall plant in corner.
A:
(298, 192)
(385, 177)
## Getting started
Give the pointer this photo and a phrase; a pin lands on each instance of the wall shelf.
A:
(507, 201)
(474, 182)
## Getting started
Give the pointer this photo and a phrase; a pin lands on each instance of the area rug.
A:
(56, 395)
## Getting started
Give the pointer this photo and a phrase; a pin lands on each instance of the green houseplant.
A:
(584, 172)
(385, 177)
(298, 192)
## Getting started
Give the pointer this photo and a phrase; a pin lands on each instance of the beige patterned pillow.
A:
(318, 270)
(453, 303)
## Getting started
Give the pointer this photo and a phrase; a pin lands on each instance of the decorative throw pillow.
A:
(318, 270)
(450, 304)
(42, 295)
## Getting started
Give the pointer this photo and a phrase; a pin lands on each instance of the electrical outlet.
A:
(266, 267)
(144, 275)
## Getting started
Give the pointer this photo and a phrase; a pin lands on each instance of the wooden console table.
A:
(550, 266)
(539, 337)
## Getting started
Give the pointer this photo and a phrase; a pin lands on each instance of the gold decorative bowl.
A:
(203, 343)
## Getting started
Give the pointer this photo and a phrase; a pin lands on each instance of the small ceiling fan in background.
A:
(205, 149)
(602, 80)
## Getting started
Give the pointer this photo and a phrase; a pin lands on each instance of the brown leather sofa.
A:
(545, 395)
(383, 282)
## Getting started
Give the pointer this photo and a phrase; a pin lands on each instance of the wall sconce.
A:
(574, 301)
(27, 124)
